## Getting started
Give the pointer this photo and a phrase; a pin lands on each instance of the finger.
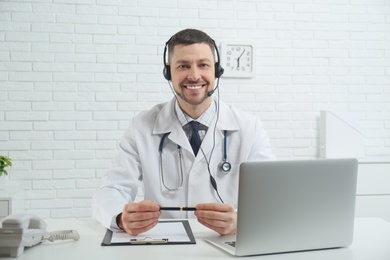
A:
(144, 210)
(141, 216)
(211, 224)
(223, 228)
(139, 224)
(222, 207)
(226, 214)
(136, 228)
(142, 206)
(215, 218)
(211, 215)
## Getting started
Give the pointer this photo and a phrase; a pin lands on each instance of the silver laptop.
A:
(289, 206)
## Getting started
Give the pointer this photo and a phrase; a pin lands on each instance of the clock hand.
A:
(241, 54)
(239, 57)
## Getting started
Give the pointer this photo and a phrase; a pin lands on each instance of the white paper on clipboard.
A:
(173, 231)
(165, 232)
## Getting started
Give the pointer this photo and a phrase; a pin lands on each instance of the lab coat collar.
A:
(166, 120)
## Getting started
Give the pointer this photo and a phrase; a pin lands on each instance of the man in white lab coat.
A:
(156, 150)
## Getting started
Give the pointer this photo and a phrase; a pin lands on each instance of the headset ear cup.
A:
(218, 70)
(167, 72)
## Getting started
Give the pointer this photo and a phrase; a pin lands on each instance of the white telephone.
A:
(26, 230)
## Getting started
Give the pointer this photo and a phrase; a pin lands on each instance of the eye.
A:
(183, 66)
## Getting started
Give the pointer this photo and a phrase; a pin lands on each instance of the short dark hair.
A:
(190, 36)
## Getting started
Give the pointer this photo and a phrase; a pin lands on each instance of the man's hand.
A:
(137, 218)
(219, 217)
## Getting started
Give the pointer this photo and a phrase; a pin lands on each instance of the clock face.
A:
(237, 60)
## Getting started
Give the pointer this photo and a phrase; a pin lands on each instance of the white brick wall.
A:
(72, 72)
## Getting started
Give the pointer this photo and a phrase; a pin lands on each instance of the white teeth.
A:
(194, 87)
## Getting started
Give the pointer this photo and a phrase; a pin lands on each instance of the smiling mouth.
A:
(194, 87)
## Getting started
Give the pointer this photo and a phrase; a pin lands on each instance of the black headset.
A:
(167, 68)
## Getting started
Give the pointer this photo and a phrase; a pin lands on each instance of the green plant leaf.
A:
(5, 161)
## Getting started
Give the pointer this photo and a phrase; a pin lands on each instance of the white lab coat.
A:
(138, 161)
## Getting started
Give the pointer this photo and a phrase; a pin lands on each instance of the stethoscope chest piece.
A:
(226, 167)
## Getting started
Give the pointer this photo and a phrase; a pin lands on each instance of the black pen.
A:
(179, 208)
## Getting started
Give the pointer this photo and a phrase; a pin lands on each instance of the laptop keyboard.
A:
(231, 243)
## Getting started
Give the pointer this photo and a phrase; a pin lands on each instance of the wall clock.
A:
(237, 59)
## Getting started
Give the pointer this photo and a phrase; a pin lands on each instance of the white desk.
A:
(371, 241)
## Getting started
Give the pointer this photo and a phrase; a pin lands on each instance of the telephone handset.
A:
(26, 230)
(24, 221)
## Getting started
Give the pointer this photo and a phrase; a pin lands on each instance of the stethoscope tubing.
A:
(225, 166)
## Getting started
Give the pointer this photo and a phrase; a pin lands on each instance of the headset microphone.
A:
(210, 93)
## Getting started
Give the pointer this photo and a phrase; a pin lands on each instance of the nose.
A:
(193, 74)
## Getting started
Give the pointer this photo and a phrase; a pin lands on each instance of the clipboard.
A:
(174, 232)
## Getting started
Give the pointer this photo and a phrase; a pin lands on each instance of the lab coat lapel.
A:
(226, 121)
(166, 122)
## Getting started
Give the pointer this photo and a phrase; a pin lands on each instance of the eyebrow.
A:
(186, 61)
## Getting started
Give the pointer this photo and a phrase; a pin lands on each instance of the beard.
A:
(188, 100)
(191, 102)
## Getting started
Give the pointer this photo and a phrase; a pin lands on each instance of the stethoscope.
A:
(224, 166)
